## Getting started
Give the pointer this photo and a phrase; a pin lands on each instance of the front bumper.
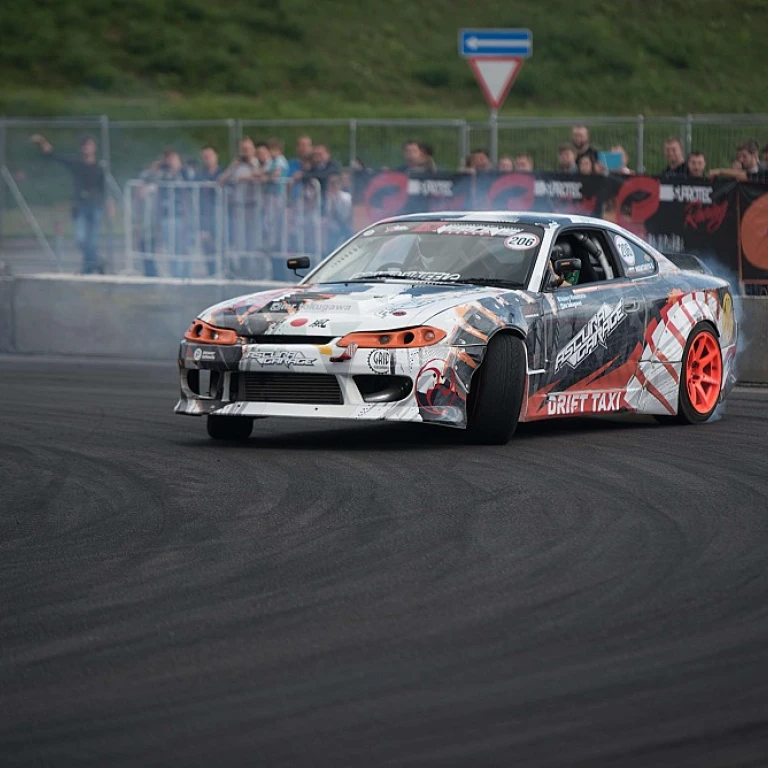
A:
(427, 384)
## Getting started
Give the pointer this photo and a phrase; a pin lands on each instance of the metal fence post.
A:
(2, 186)
(640, 165)
(688, 133)
(493, 126)
(352, 141)
(106, 159)
(463, 143)
(106, 151)
(232, 135)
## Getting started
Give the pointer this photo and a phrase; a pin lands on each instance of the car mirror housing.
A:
(300, 262)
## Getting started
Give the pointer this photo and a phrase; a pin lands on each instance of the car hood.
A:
(332, 310)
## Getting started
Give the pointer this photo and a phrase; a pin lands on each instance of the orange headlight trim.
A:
(423, 336)
(205, 333)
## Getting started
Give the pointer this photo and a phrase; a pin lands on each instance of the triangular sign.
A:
(496, 76)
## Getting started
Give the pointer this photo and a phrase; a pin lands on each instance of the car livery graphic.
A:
(471, 320)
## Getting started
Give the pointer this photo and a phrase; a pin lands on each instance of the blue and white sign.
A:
(474, 43)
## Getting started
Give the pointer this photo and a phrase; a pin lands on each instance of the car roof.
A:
(521, 217)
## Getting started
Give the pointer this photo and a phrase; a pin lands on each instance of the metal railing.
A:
(203, 229)
(129, 145)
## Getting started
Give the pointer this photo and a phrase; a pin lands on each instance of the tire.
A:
(230, 427)
(496, 394)
(701, 378)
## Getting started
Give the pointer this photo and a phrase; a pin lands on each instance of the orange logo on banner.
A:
(754, 233)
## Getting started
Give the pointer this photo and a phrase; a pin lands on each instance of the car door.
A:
(594, 335)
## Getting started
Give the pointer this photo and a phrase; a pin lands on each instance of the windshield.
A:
(437, 251)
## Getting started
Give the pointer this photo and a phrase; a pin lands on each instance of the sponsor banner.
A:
(377, 195)
(753, 233)
(547, 192)
(685, 215)
(688, 215)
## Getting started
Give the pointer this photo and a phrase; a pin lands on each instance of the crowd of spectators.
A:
(273, 204)
(266, 197)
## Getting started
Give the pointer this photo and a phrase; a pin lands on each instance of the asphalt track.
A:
(593, 594)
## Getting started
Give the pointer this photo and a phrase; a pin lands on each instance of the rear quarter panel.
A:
(676, 302)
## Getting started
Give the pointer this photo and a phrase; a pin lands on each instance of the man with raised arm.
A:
(89, 196)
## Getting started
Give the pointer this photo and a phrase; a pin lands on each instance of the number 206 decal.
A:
(522, 242)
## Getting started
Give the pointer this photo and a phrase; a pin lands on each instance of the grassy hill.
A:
(332, 58)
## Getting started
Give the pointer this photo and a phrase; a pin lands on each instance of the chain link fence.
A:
(36, 232)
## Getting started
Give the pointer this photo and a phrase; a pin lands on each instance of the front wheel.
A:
(230, 427)
(496, 394)
(701, 377)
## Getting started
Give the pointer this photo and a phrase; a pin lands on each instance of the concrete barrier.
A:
(145, 318)
(7, 286)
(111, 316)
(752, 362)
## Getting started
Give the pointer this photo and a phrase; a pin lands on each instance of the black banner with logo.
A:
(686, 215)
(694, 216)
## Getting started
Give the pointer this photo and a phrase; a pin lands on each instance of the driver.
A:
(424, 255)
(562, 250)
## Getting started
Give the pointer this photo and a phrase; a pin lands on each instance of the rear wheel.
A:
(496, 394)
(230, 427)
(701, 377)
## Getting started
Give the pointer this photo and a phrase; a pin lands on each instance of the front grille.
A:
(307, 388)
(275, 339)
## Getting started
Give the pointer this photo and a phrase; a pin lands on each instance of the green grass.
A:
(339, 58)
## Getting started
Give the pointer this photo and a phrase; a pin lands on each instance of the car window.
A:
(636, 261)
(590, 246)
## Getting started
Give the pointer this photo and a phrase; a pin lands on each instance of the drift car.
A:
(470, 320)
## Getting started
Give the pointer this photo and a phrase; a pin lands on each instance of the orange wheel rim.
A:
(704, 372)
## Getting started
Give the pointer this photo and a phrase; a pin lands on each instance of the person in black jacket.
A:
(673, 153)
(89, 197)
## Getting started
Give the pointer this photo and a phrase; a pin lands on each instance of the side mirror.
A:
(299, 262)
(561, 266)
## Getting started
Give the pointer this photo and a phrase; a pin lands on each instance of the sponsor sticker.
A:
(726, 319)
(480, 230)
(380, 361)
(595, 333)
(625, 250)
(397, 228)
(321, 306)
(568, 302)
(321, 322)
(565, 403)
(289, 358)
(415, 273)
(522, 242)
(205, 355)
(640, 269)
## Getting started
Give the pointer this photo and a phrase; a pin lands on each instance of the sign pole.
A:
(493, 124)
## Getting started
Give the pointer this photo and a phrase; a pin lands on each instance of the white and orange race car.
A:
(470, 320)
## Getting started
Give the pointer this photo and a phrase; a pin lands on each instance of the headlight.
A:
(423, 336)
(205, 333)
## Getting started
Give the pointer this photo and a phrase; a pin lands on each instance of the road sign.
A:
(496, 57)
(496, 76)
(495, 42)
